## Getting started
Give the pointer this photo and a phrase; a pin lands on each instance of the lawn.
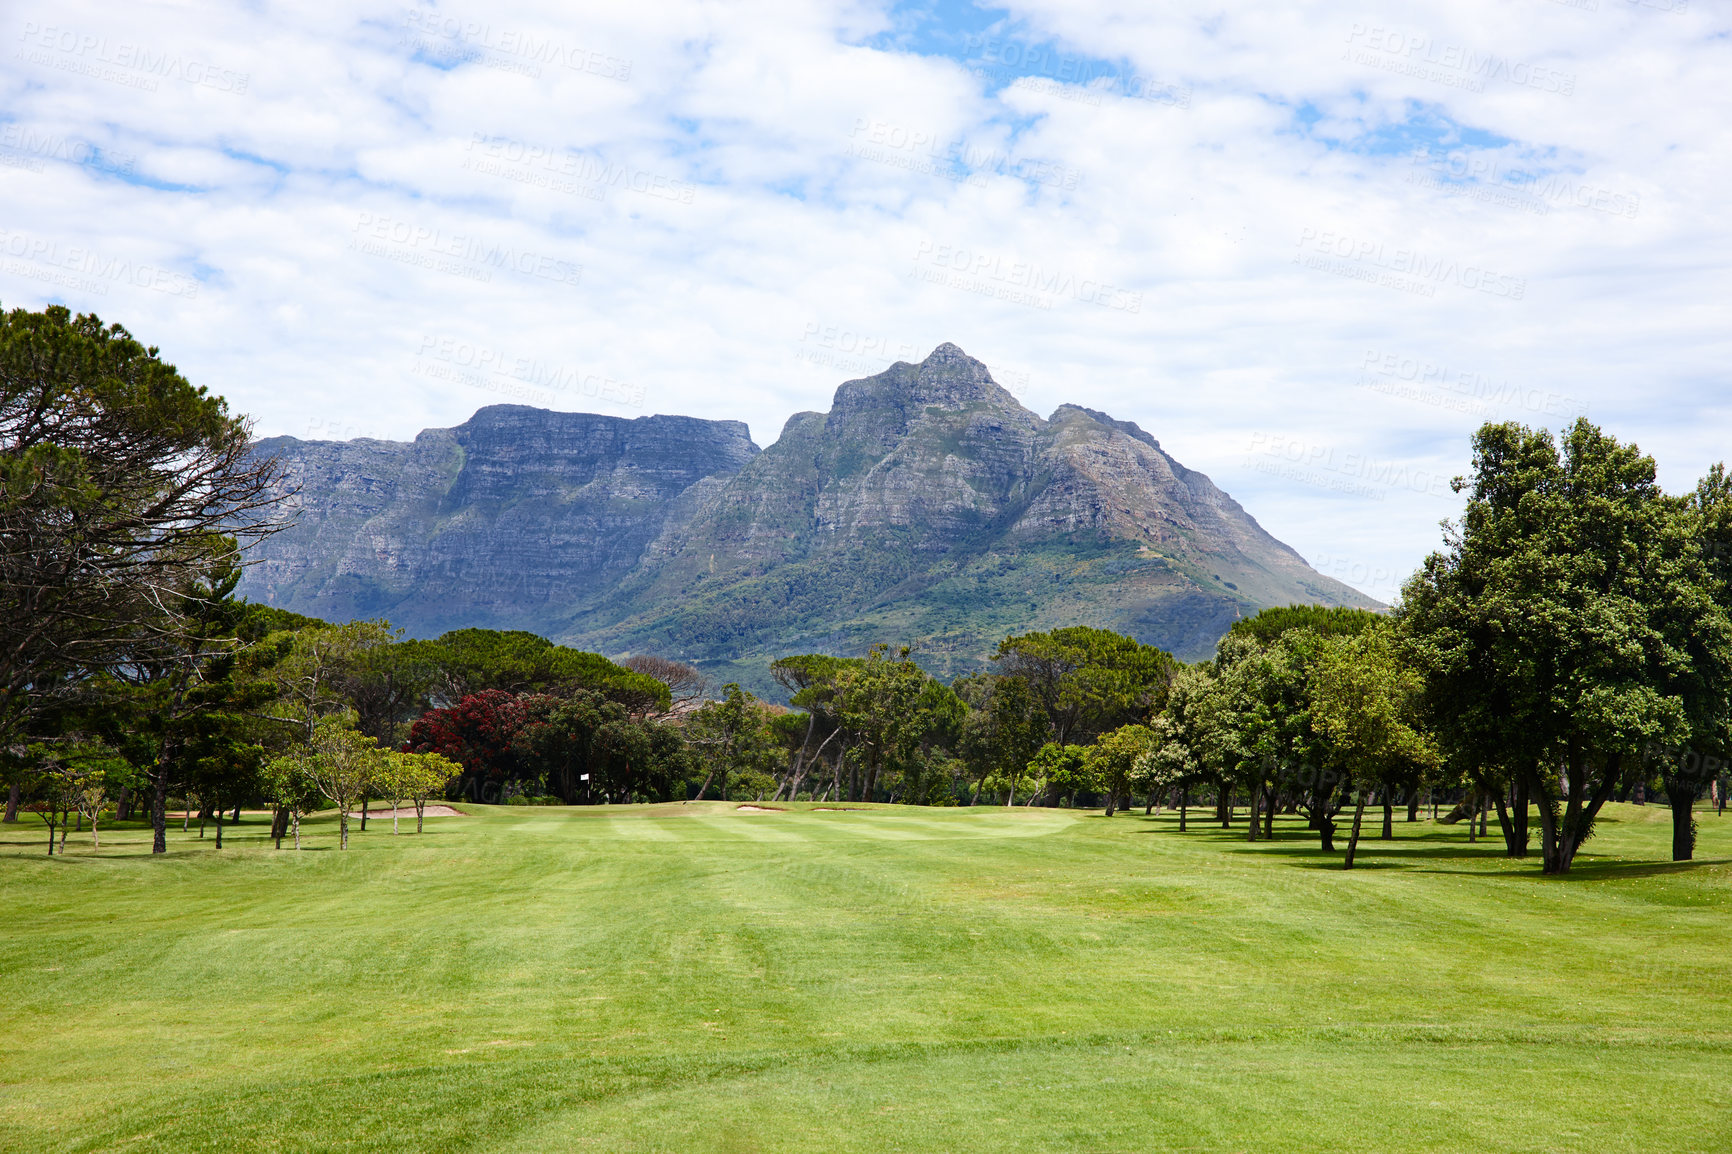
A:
(695, 978)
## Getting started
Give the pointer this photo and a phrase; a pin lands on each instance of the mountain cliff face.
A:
(516, 518)
(927, 507)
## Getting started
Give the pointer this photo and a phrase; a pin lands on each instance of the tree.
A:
(424, 775)
(119, 480)
(414, 776)
(1088, 680)
(1183, 733)
(732, 737)
(1005, 729)
(878, 702)
(1364, 702)
(1060, 771)
(1112, 760)
(289, 785)
(55, 790)
(1542, 630)
(477, 660)
(345, 763)
(684, 683)
(479, 732)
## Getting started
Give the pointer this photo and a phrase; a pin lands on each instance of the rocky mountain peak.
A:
(948, 379)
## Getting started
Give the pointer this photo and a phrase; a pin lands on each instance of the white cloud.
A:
(305, 205)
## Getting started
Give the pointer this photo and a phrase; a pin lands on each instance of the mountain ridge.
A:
(926, 506)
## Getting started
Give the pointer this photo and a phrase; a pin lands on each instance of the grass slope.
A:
(694, 978)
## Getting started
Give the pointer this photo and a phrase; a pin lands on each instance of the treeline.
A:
(1571, 644)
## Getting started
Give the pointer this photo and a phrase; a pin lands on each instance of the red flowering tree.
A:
(478, 733)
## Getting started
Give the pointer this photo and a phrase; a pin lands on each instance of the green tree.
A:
(1113, 760)
(1364, 705)
(1184, 732)
(345, 763)
(119, 481)
(1541, 629)
(423, 776)
(1088, 680)
(288, 784)
(732, 737)
(1003, 731)
(1060, 771)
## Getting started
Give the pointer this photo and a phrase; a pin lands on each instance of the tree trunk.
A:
(1506, 825)
(1269, 813)
(1256, 815)
(1388, 817)
(159, 812)
(12, 799)
(706, 785)
(295, 817)
(365, 800)
(1413, 803)
(219, 825)
(1353, 838)
(342, 826)
(1682, 800)
(1184, 805)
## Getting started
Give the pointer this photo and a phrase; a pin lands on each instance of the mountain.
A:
(517, 518)
(927, 506)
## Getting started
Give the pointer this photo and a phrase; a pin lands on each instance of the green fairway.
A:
(695, 977)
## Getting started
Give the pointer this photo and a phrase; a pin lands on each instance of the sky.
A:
(1310, 247)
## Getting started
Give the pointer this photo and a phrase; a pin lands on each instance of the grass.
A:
(694, 978)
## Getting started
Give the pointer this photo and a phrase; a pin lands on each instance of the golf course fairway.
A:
(701, 977)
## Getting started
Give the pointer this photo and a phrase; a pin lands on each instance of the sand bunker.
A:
(430, 811)
(760, 809)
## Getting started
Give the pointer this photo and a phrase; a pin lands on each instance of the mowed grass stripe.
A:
(1114, 985)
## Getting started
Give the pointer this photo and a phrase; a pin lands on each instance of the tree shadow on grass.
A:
(1591, 869)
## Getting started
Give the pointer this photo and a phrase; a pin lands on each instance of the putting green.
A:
(693, 978)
